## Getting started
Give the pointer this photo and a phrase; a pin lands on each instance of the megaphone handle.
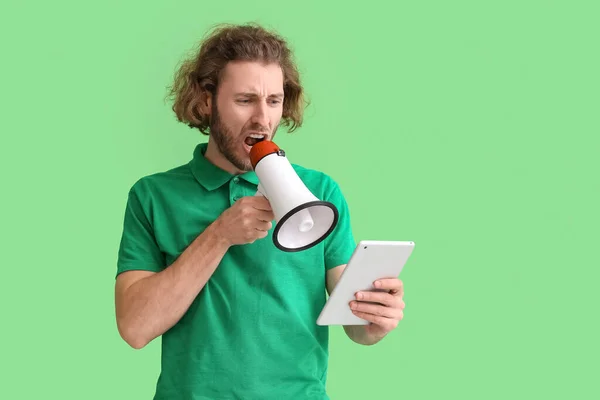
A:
(260, 191)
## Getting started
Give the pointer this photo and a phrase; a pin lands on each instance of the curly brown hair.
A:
(201, 72)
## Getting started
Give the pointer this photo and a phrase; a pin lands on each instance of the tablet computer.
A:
(370, 261)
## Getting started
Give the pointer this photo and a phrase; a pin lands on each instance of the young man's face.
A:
(248, 108)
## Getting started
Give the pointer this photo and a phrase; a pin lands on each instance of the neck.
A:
(213, 155)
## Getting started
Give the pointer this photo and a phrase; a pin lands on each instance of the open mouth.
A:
(254, 138)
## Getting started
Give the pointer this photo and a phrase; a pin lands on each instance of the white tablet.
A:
(371, 260)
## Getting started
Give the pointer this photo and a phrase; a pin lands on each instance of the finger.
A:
(263, 226)
(266, 216)
(376, 309)
(377, 297)
(256, 202)
(393, 285)
(386, 323)
(261, 234)
(261, 203)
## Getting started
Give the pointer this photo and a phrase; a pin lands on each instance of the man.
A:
(196, 263)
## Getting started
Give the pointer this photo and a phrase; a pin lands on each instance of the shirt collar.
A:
(209, 175)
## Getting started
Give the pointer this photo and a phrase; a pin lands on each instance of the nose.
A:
(261, 116)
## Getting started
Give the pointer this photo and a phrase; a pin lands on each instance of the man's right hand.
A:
(246, 221)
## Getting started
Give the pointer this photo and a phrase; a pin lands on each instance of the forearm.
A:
(358, 334)
(153, 304)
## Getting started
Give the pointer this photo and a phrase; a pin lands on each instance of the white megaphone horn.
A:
(302, 219)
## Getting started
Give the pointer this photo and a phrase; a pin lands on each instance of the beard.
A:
(228, 143)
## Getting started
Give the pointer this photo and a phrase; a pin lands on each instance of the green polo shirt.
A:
(251, 333)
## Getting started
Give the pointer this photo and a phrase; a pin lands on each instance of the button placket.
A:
(235, 190)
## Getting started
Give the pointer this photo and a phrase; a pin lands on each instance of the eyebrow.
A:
(252, 94)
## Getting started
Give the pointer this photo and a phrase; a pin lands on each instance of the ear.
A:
(206, 100)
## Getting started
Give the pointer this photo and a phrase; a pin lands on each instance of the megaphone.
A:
(302, 220)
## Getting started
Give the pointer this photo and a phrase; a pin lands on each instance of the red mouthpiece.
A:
(262, 149)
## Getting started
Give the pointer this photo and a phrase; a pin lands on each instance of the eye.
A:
(243, 101)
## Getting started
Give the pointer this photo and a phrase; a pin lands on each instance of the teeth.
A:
(255, 136)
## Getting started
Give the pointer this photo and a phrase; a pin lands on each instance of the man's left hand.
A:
(387, 311)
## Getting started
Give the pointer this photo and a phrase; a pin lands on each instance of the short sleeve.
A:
(340, 244)
(138, 248)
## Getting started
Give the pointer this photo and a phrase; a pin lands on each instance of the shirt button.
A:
(236, 179)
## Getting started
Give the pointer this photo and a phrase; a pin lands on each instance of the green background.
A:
(469, 127)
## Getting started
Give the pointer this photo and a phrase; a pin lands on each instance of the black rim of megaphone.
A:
(295, 210)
